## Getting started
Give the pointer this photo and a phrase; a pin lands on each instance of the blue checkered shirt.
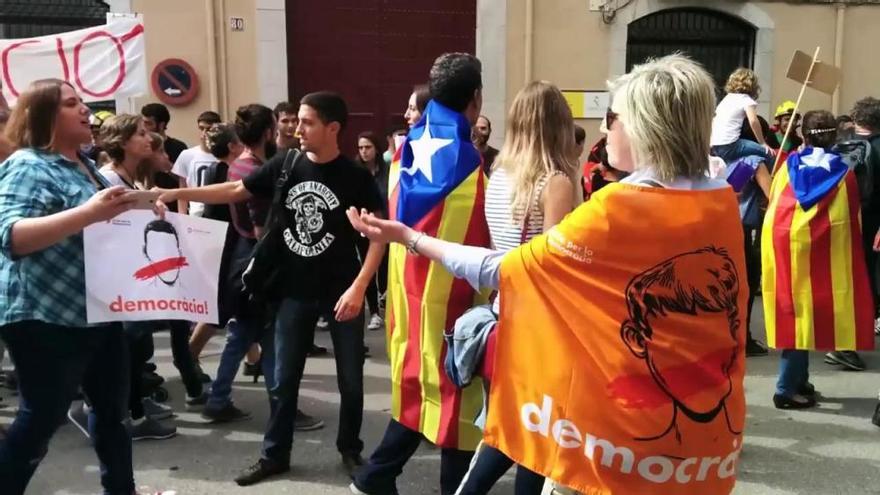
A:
(47, 285)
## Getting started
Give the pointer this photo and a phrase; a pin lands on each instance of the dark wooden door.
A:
(721, 42)
(372, 52)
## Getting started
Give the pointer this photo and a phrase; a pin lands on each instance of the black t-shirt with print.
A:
(320, 242)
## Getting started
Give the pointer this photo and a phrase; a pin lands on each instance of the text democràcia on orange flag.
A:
(814, 278)
(620, 347)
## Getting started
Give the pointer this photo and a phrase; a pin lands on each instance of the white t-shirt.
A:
(729, 116)
(112, 177)
(192, 165)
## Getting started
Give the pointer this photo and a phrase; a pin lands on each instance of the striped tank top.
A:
(505, 231)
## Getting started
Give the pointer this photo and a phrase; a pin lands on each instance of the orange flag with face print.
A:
(620, 347)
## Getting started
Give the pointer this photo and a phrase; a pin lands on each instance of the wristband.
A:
(412, 245)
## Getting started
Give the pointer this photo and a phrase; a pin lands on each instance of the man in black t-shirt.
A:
(156, 119)
(321, 272)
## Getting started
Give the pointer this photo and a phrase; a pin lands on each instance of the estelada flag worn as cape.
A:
(814, 278)
(620, 349)
(437, 187)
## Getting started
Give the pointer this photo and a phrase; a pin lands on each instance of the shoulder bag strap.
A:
(290, 160)
(534, 200)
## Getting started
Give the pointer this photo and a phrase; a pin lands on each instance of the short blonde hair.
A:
(743, 81)
(666, 106)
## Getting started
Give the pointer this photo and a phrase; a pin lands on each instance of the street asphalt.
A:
(833, 449)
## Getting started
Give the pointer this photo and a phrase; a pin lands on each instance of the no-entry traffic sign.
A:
(175, 82)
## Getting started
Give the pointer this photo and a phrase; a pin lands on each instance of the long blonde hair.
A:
(539, 141)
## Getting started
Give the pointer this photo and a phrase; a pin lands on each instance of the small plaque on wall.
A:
(586, 104)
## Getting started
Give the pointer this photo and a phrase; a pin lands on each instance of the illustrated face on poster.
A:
(140, 268)
(162, 250)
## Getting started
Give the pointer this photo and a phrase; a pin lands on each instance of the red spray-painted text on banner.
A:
(102, 62)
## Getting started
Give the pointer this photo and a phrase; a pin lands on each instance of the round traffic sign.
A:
(175, 82)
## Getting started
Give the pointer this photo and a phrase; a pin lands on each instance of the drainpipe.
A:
(530, 35)
(838, 53)
(222, 65)
(212, 54)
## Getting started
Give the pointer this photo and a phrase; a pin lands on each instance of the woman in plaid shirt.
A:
(49, 192)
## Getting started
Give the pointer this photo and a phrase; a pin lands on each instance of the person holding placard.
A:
(49, 192)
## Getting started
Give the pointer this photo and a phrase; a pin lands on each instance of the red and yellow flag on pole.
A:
(814, 281)
(620, 350)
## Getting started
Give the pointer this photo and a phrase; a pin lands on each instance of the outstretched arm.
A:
(478, 265)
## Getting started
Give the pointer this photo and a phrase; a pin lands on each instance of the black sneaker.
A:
(196, 403)
(263, 469)
(226, 414)
(204, 377)
(352, 463)
(304, 422)
(848, 359)
(753, 348)
(876, 418)
(796, 402)
(147, 428)
(317, 350)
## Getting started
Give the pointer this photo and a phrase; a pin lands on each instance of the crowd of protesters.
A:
(66, 168)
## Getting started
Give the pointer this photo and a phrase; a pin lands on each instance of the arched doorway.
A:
(719, 41)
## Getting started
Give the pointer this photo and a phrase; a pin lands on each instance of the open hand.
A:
(377, 229)
(108, 203)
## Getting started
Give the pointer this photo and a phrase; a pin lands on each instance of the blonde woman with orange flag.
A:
(619, 362)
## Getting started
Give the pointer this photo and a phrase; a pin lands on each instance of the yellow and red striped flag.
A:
(436, 186)
(814, 279)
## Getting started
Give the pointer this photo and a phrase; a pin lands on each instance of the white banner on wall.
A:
(101, 62)
(139, 267)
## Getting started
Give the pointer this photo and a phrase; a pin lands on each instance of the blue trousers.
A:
(241, 333)
(793, 372)
(740, 148)
(294, 333)
(52, 362)
(489, 466)
(398, 444)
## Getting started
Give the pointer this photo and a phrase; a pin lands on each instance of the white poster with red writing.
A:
(101, 62)
(140, 267)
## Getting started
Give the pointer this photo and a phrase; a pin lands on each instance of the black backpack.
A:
(860, 157)
(217, 173)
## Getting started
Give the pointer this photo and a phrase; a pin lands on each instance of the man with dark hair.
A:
(192, 163)
(156, 119)
(866, 118)
(319, 269)
(481, 134)
(427, 405)
(285, 115)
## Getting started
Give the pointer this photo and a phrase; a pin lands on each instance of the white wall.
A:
(271, 31)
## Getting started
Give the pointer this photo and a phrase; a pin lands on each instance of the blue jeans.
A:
(489, 466)
(52, 362)
(241, 333)
(294, 333)
(793, 372)
(398, 444)
(740, 148)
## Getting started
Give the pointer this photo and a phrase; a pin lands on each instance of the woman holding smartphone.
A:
(49, 192)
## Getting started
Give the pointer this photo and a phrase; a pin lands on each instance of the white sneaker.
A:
(877, 326)
(322, 323)
(376, 322)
